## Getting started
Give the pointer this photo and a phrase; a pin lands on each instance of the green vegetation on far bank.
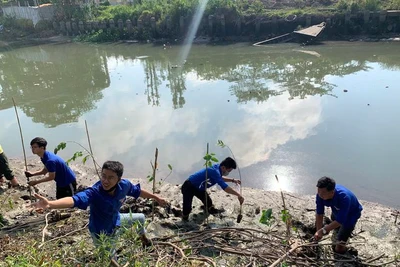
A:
(170, 12)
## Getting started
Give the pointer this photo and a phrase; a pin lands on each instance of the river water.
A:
(282, 109)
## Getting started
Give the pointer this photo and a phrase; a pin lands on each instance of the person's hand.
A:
(236, 181)
(241, 199)
(162, 202)
(318, 235)
(32, 183)
(28, 174)
(43, 203)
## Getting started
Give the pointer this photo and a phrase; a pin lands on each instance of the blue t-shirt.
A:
(104, 208)
(344, 205)
(64, 174)
(214, 177)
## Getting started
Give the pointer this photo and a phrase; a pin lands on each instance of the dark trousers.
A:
(342, 233)
(5, 167)
(189, 191)
(67, 191)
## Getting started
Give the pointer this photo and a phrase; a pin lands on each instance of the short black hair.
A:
(229, 163)
(326, 182)
(114, 166)
(40, 141)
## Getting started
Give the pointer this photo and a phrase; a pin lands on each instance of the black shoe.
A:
(185, 218)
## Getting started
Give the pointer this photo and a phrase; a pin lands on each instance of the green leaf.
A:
(85, 159)
(151, 178)
(10, 203)
(170, 167)
(285, 216)
(207, 157)
(221, 144)
(214, 159)
(266, 217)
(59, 147)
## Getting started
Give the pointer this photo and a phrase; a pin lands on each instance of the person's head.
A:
(227, 165)
(38, 145)
(111, 174)
(326, 188)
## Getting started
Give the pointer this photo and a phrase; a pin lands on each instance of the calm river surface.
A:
(281, 109)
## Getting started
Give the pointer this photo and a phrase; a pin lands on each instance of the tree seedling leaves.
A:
(85, 159)
(266, 217)
(170, 167)
(150, 178)
(59, 147)
(285, 216)
(221, 144)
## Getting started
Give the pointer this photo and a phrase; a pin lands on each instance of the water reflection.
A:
(265, 103)
(53, 84)
(56, 84)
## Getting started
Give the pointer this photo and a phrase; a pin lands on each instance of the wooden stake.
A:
(23, 145)
(205, 192)
(91, 151)
(154, 179)
(284, 207)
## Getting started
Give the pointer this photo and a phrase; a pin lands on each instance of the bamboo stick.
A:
(23, 145)
(154, 180)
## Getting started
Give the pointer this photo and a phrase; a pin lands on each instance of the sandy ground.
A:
(376, 232)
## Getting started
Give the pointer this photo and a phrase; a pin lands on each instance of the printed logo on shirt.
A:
(208, 183)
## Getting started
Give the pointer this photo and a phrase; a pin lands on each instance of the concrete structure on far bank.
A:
(34, 13)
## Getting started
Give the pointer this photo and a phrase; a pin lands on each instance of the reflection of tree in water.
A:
(256, 75)
(53, 85)
(177, 86)
(250, 84)
(153, 81)
(157, 72)
(299, 76)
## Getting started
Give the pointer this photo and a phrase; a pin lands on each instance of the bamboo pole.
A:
(91, 151)
(205, 191)
(23, 145)
(154, 180)
(284, 208)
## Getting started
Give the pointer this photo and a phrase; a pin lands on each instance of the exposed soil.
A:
(376, 233)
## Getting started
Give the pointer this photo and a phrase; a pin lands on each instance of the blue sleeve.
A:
(134, 191)
(51, 166)
(83, 199)
(320, 205)
(215, 177)
(341, 216)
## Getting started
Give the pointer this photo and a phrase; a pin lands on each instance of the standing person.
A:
(55, 167)
(6, 171)
(105, 198)
(346, 210)
(195, 186)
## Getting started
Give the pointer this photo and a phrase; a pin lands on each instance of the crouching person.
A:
(105, 199)
(346, 210)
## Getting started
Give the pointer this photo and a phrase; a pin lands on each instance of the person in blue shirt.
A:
(346, 210)
(196, 185)
(55, 167)
(105, 199)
